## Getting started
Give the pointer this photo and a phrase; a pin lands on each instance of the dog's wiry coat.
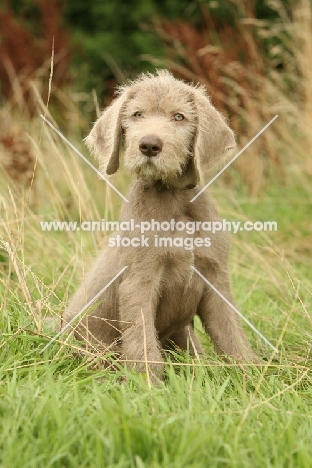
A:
(159, 281)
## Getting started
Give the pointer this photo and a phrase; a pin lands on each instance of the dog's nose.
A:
(150, 145)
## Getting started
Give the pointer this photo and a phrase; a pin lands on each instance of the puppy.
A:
(170, 134)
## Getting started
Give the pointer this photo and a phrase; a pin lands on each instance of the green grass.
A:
(60, 414)
(60, 410)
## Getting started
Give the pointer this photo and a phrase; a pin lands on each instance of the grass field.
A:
(63, 409)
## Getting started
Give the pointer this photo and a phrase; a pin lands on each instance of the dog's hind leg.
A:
(99, 324)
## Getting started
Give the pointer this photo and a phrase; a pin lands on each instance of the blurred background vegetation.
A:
(98, 40)
(254, 57)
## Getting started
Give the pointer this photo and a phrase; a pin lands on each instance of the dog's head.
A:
(165, 123)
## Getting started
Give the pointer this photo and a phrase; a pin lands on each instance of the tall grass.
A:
(65, 408)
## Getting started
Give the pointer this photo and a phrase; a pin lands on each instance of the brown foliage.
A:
(231, 61)
(17, 156)
(25, 54)
(199, 56)
(234, 57)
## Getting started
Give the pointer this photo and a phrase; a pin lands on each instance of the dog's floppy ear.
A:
(214, 140)
(105, 136)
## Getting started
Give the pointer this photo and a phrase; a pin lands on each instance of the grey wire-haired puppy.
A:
(171, 135)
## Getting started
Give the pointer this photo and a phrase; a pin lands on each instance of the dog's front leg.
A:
(138, 299)
(222, 323)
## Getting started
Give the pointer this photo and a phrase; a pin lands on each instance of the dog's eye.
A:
(138, 114)
(178, 117)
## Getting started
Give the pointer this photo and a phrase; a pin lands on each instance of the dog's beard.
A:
(150, 170)
(155, 168)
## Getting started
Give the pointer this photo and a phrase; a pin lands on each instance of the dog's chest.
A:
(179, 294)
